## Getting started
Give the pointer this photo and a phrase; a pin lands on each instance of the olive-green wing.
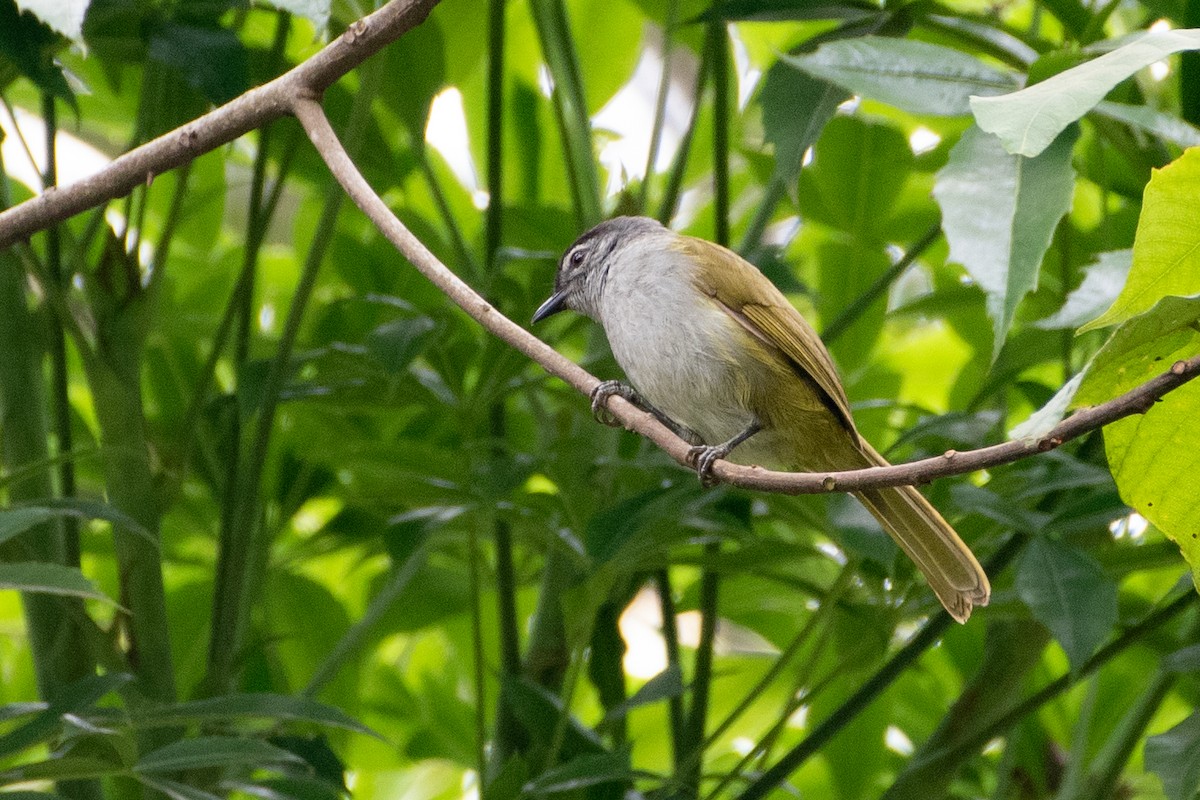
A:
(750, 297)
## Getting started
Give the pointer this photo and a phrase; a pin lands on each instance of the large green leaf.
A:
(292, 787)
(664, 685)
(1166, 251)
(1155, 457)
(210, 59)
(75, 699)
(1029, 120)
(1068, 592)
(1161, 124)
(421, 59)
(176, 790)
(205, 752)
(1175, 757)
(245, 707)
(1100, 287)
(859, 170)
(593, 769)
(795, 107)
(45, 578)
(27, 45)
(15, 521)
(999, 212)
(59, 769)
(916, 76)
(775, 10)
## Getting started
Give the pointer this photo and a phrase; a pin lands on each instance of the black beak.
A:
(555, 304)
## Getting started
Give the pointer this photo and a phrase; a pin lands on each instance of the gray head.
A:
(584, 266)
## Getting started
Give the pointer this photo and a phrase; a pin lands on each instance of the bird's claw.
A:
(600, 397)
(702, 457)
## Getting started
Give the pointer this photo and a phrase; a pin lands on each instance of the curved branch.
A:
(251, 110)
(1136, 401)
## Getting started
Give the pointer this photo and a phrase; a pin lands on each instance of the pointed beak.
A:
(552, 306)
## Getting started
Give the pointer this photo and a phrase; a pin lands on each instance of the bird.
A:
(715, 351)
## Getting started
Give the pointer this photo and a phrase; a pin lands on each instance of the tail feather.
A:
(946, 562)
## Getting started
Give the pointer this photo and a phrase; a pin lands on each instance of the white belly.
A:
(678, 348)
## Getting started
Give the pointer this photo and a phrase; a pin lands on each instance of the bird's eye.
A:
(577, 258)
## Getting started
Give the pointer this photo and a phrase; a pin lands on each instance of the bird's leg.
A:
(607, 389)
(702, 456)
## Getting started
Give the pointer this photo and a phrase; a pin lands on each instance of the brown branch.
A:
(1136, 401)
(251, 110)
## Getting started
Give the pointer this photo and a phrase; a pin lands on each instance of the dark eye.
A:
(577, 258)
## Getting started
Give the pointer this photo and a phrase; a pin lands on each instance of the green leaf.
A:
(75, 699)
(1074, 16)
(1142, 348)
(396, 343)
(663, 686)
(1029, 120)
(1165, 126)
(1067, 591)
(1185, 659)
(999, 212)
(59, 769)
(1154, 457)
(206, 752)
(779, 10)
(17, 520)
(507, 783)
(579, 773)
(422, 59)
(1100, 287)
(1166, 249)
(211, 60)
(176, 790)
(45, 578)
(859, 169)
(28, 44)
(64, 16)
(796, 107)
(291, 708)
(916, 76)
(317, 11)
(541, 712)
(1045, 418)
(291, 788)
(1175, 757)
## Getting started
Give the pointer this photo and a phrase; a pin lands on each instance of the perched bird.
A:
(717, 353)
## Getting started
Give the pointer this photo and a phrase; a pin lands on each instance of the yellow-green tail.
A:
(948, 565)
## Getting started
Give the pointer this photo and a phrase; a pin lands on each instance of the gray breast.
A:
(677, 348)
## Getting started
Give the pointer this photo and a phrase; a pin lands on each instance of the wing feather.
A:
(750, 298)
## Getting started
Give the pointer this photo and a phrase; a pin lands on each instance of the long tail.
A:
(946, 562)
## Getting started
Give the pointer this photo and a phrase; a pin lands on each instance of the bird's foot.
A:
(606, 390)
(702, 456)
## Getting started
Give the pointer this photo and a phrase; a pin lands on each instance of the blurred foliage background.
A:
(286, 524)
